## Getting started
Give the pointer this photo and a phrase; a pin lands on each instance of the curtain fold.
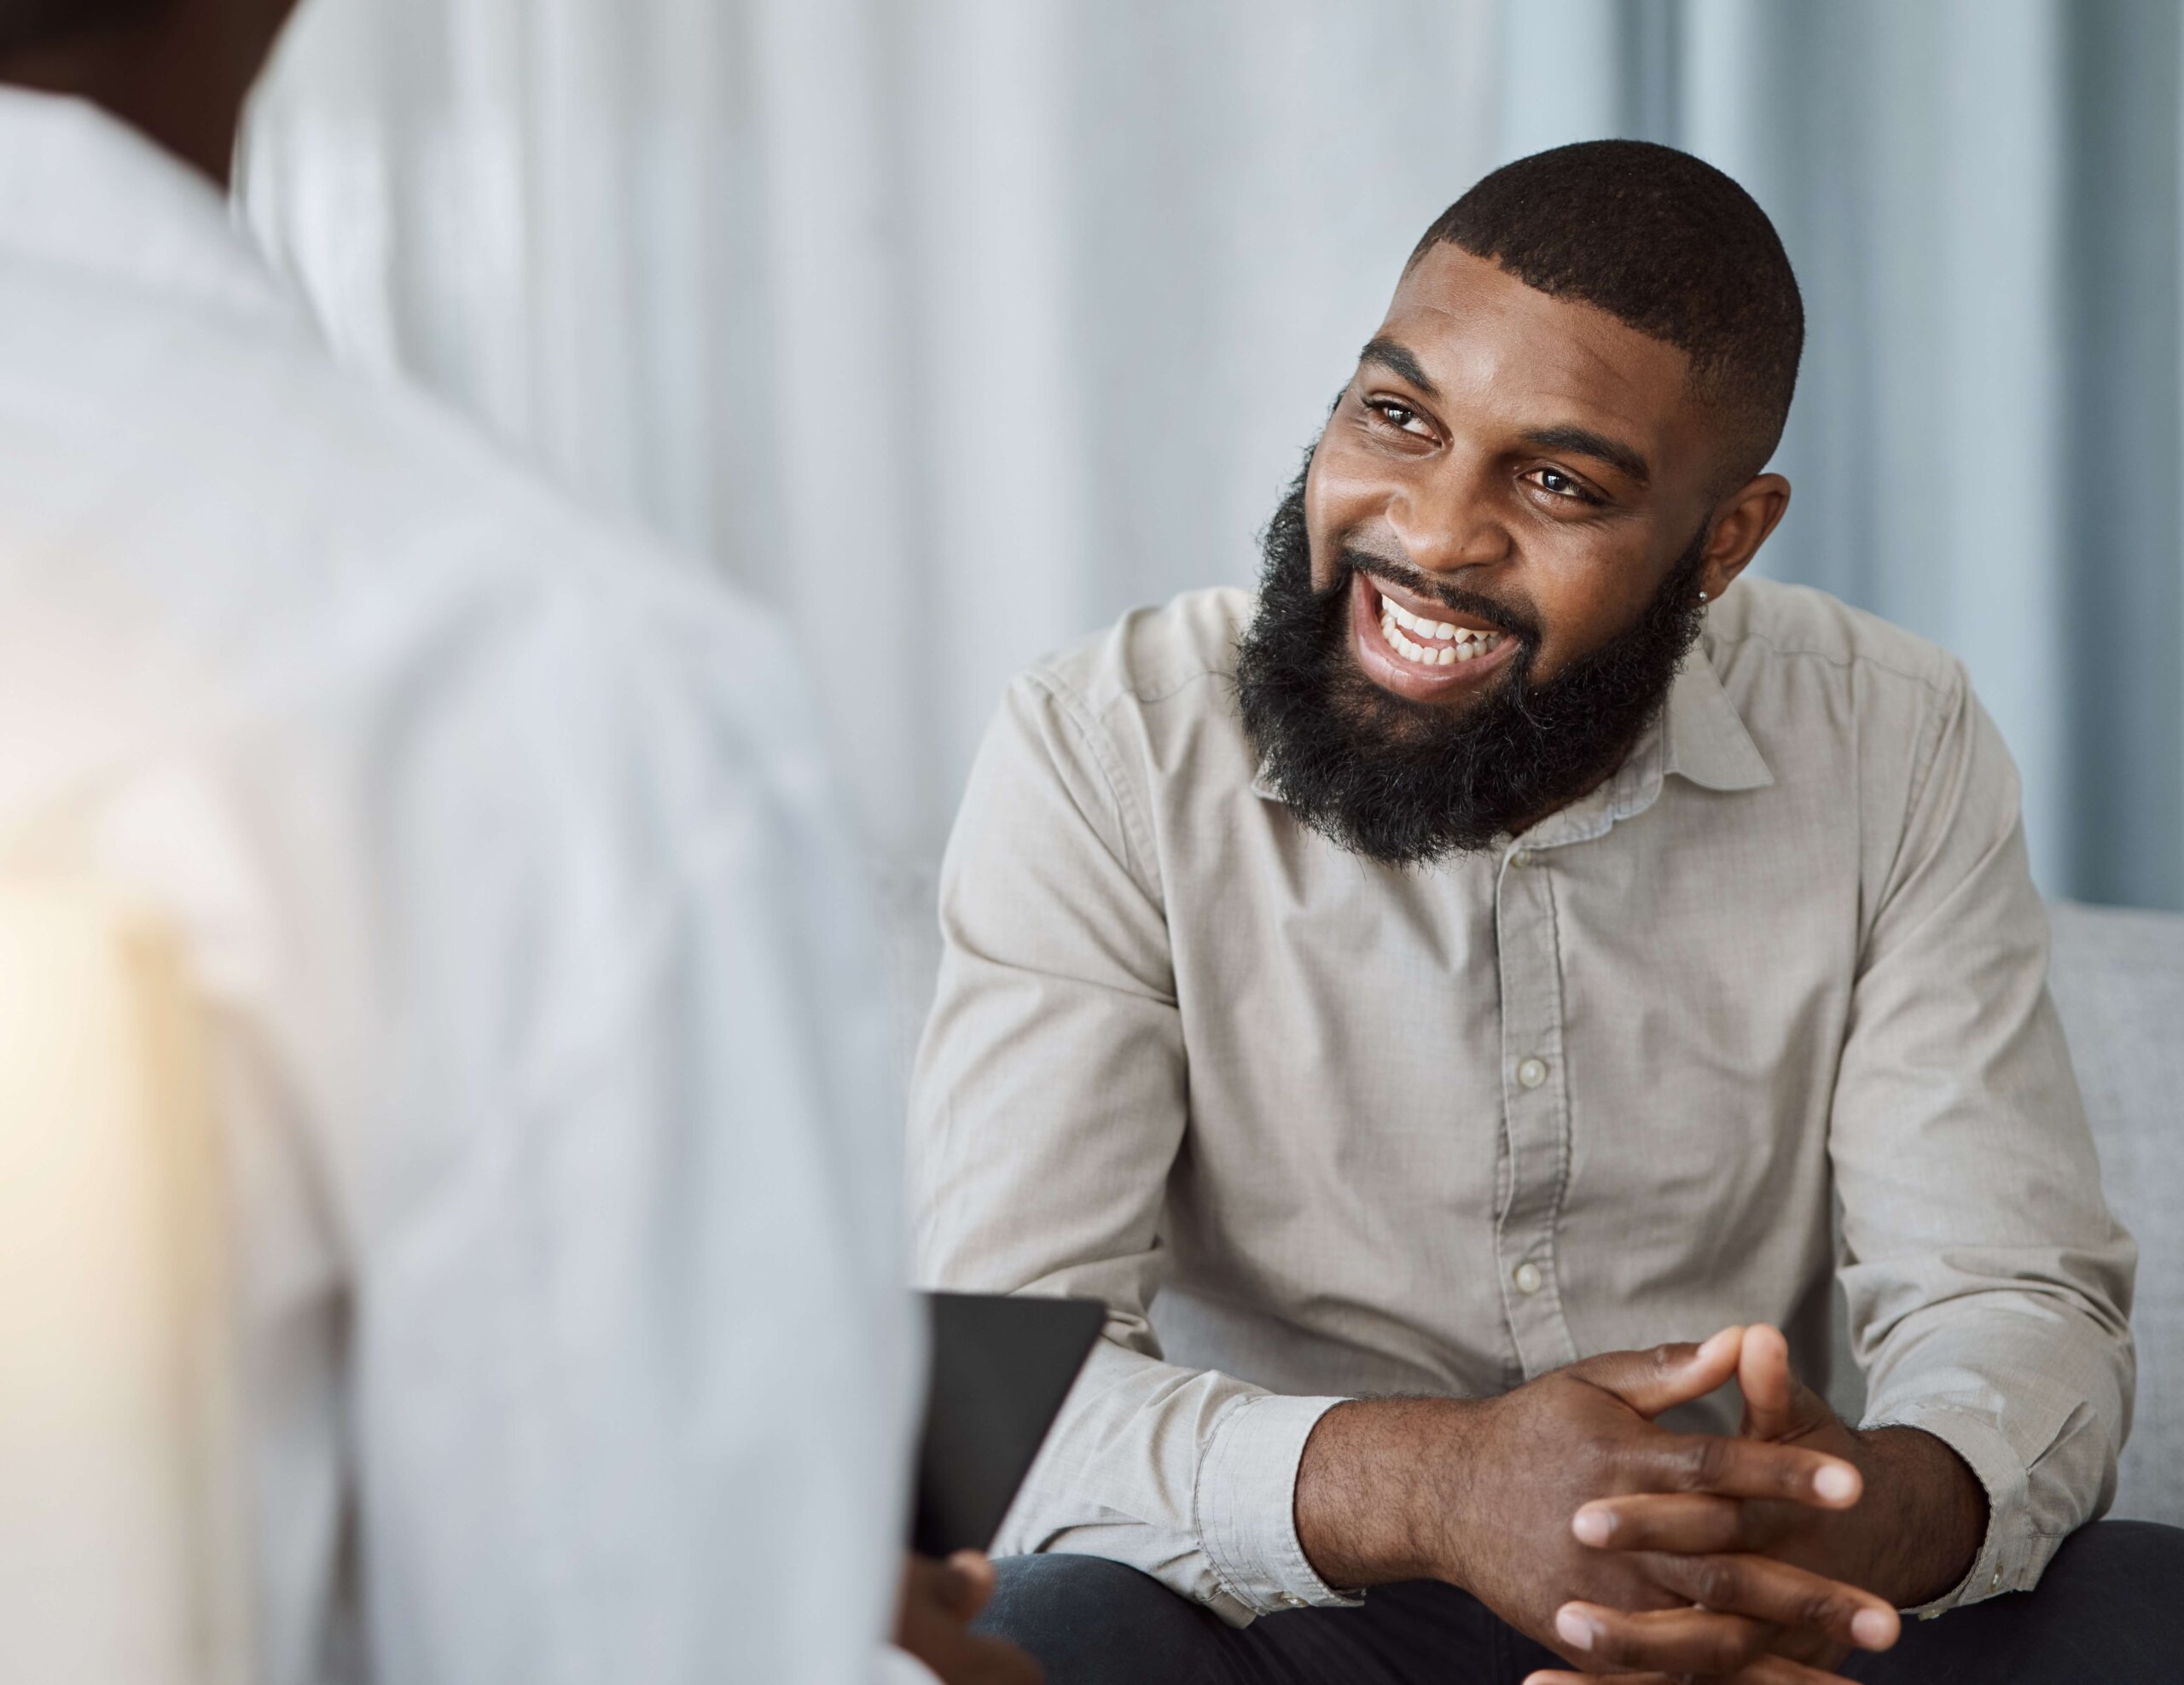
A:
(958, 327)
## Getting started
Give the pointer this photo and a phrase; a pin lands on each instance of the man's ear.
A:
(1742, 521)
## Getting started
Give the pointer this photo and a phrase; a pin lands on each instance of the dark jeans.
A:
(2109, 1611)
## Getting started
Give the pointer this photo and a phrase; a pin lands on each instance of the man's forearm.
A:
(1372, 1506)
(1924, 1514)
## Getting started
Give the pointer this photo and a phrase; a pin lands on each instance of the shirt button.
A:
(1996, 1583)
(1531, 1072)
(1527, 1277)
(1522, 857)
(1292, 1599)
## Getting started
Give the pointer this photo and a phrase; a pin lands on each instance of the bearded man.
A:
(1480, 964)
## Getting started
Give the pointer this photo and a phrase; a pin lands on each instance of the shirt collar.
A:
(1706, 739)
(81, 190)
(1697, 735)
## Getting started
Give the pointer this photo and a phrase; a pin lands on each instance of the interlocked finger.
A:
(1764, 1671)
(1741, 1468)
(1693, 1523)
(1687, 1640)
(1782, 1596)
(1781, 1670)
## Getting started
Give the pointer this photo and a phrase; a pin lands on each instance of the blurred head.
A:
(179, 70)
(41, 23)
(1479, 591)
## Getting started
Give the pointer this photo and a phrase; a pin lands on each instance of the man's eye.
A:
(1400, 416)
(1561, 485)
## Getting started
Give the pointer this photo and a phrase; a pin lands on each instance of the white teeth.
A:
(1466, 643)
(1457, 643)
(1415, 623)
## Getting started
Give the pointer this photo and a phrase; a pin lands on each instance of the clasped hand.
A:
(1708, 1556)
(1634, 1552)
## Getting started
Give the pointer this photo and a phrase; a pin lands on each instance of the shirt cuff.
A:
(1245, 1509)
(2012, 1556)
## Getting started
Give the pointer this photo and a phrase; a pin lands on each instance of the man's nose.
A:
(1447, 519)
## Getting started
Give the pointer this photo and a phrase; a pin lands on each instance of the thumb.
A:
(1763, 1377)
(971, 1581)
(1777, 1405)
(1667, 1375)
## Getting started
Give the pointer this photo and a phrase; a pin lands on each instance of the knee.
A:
(2107, 1607)
(2142, 1560)
(1092, 1622)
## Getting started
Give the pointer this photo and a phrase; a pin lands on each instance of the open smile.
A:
(1418, 648)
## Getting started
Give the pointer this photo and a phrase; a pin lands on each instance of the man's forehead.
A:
(1480, 335)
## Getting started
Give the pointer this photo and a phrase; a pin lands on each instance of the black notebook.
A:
(1000, 1369)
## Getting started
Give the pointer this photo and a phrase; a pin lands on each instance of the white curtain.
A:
(956, 327)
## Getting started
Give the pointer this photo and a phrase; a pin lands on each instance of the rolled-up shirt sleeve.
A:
(1989, 1286)
(1048, 1108)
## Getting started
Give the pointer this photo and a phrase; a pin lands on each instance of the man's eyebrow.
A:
(1584, 442)
(1396, 358)
(1399, 360)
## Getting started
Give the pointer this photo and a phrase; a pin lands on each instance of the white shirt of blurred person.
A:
(553, 1066)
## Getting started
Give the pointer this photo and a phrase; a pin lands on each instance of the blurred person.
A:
(553, 1068)
(1459, 978)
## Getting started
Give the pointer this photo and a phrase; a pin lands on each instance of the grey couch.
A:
(2119, 984)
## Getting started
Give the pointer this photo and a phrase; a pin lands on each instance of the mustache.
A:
(1524, 628)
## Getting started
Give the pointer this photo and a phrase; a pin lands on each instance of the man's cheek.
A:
(1325, 554)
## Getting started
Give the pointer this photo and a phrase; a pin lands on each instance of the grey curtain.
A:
(1982, 199)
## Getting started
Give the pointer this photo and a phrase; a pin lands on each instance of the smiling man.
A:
(1478, 964)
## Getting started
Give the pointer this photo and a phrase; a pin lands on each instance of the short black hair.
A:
(1663, 242)
(39, 23)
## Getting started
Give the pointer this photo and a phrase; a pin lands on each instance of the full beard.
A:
(1408, 782)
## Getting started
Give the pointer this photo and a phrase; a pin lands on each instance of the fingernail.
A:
(1578, 1628)
(1874, 1629)
(1592, 1526)
(1836, 1483)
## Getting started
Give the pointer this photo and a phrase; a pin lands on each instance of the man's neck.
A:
(180, 78)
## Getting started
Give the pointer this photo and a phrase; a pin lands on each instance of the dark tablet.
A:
(1001, 1367)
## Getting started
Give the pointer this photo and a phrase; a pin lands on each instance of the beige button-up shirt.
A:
(1315, 1127)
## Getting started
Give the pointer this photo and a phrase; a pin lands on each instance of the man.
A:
(1453, 979)
(574, 1337)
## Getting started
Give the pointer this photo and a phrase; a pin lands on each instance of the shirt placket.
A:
(1535, 1109)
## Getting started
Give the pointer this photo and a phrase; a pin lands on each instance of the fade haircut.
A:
(40, 23)
(1664, 243)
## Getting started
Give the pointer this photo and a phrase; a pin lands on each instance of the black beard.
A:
(1408, 782)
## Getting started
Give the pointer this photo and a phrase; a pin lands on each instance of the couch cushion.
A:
(2118, 982)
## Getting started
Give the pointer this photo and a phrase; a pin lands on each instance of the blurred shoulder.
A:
(620, 649)
(350, 560)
